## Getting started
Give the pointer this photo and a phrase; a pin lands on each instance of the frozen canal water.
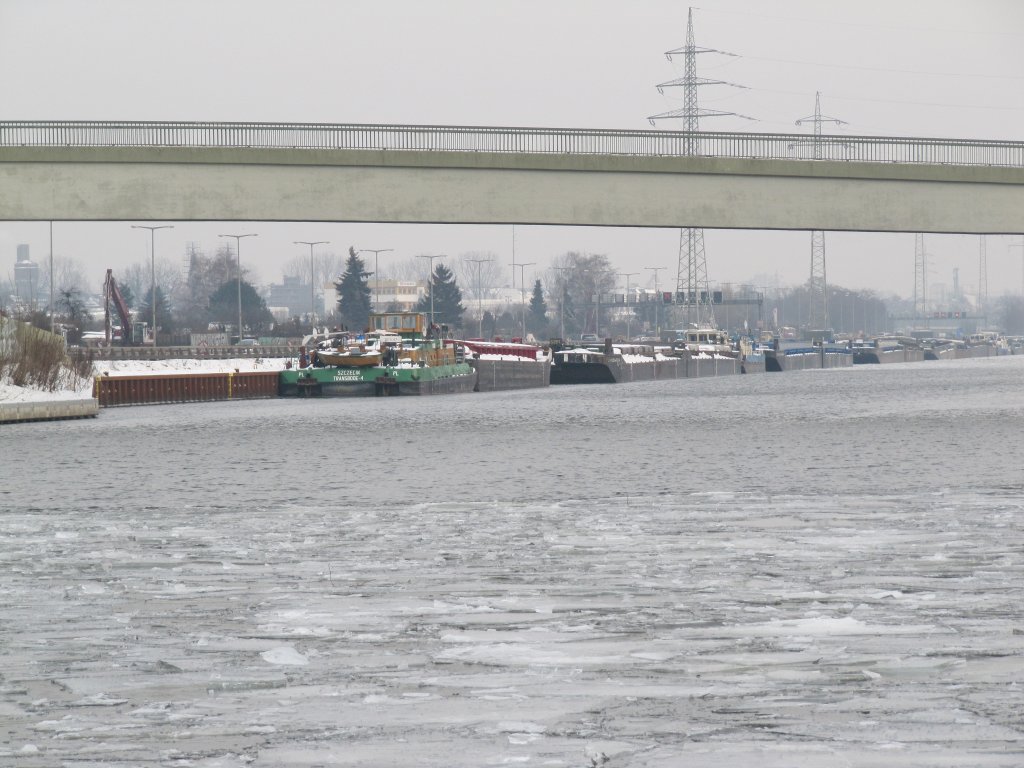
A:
(811, 569)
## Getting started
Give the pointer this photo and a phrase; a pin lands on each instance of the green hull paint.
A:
(378, 380)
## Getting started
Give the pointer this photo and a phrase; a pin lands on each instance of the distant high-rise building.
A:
(293, 294)
(26, 277)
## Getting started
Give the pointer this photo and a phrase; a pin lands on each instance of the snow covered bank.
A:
(32, 404)
(156, 367)
(10, 393)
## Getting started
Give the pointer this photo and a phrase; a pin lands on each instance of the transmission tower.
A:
(692, 272)
(982, 277)
(920, 278)
(818, 286)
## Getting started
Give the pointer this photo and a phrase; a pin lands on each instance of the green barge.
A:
(400, 355)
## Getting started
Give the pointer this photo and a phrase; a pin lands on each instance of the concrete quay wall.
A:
(49, 410)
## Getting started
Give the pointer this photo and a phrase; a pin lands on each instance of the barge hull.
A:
(777, 362)
(499, 375)
(380, 382)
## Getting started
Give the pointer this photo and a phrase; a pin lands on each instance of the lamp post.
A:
(561, 301)
(376, 275)
(657, 304)
(152, 272)
(479, 299)
(51, 278)
(513, 255)
(522, 287)
(628, 275)
(238, 255)
(312, 280)
(430, 282)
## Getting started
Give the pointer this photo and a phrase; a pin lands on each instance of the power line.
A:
(883, 69)
(893, 27)
(901, 102)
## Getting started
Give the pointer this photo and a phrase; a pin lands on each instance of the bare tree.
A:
(135, 277)
(584, 276)
(140, 276)
(68, 275)
(327, 267)
(411, 270)
(205, 276)
(490, 272)
(296, 266)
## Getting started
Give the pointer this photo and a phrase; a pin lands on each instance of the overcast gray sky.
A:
(951, 68)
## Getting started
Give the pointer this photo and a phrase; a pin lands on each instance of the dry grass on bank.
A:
(30, 357)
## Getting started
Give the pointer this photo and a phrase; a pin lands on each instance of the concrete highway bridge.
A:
(154, 171)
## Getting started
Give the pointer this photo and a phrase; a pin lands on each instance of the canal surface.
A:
(815, 568)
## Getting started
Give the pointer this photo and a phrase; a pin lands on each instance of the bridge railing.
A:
(563, 141)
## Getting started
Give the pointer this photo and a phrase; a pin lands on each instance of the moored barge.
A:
(401, 355)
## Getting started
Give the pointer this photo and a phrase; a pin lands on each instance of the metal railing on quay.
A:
(184, 353)
(512, 140)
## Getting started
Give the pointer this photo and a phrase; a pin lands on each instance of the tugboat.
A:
(401, 354)
(708, 352)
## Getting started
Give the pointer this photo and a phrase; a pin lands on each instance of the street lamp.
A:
(376, 275)
(51, 279)
(152, 273)
(513, 255)
(479, 299)
(522, 287)
(430, 283)
(312, 281)
(561, 301)
(238, 254)
(628, 275)
(657, 304)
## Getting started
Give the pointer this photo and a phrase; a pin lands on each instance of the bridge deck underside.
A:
(480, 188)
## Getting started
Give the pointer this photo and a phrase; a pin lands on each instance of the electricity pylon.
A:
(692, 288)
(818, 285)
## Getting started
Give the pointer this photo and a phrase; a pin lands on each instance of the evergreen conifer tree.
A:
(164, 319)
(354, 293)
(448, 307)
(224, 306)
(537, 320)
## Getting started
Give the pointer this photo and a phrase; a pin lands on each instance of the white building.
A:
(401, 295)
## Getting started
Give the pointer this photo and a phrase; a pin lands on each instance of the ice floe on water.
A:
(231, 585)
(285, 655)
(682, 643)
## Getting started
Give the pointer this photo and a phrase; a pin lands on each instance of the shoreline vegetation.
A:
(34, 364)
